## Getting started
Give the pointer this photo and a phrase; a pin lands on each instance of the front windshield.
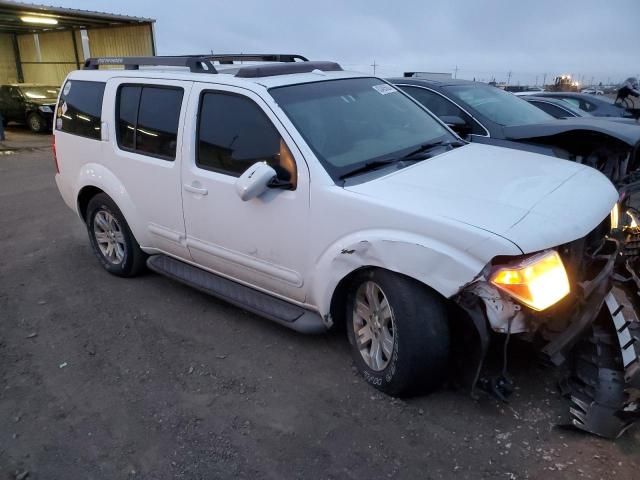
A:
(351, 122)
(39, 93)
(497, 105)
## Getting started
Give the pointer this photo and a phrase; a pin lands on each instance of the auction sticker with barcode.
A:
(383, 89)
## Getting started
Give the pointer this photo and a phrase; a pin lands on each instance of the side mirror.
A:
(254, 181)
(457, 124)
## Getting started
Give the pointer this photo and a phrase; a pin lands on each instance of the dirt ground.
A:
(107, 378)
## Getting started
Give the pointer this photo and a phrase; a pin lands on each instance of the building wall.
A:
(48, 57)
(121, 41)
(8, 72)
(52, 53)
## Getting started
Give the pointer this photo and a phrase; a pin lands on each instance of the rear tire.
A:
(398, 331)
(36, 123)
(111, 238)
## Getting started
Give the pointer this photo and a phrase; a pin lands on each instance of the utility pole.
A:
(544, 80)
(536, 81)
(455, 72)
(508, 77)
(374, 65)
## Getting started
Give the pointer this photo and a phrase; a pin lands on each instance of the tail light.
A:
(55, 155)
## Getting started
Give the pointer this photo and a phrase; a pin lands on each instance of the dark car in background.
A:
(29, 104)
(598, 106)
(485, 114)
(559, 108)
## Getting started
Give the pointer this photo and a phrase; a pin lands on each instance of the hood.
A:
(626, 132)
(42, 101)
(533, 200)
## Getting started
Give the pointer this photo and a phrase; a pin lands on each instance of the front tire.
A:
(398, 332)
(111, 238)
(36, 123)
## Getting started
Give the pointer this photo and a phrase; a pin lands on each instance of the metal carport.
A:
(41, 44)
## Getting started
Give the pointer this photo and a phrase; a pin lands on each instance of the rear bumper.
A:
(66, 192)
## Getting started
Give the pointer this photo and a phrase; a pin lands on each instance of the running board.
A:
(247, 298)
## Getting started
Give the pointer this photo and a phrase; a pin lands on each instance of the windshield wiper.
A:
(425, 147)
(375, 164)
(367, 167)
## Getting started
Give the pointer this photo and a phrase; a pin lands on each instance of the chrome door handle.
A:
(198, 190)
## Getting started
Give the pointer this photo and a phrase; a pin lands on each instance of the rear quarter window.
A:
(80, 108)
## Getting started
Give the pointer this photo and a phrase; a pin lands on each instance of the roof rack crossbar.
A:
(196, 64)
(255, 57)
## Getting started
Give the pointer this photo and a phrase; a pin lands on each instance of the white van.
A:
(314, 196)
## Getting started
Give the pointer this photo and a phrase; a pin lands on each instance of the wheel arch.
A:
(440, 267)
(85, 195)
(94, 179)
(341, 291)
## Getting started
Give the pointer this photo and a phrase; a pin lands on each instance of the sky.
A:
(482, 39)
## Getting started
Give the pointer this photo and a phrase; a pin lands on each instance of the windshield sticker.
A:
(59, 124)
(384, 89)
(67, 88)
(64, 108)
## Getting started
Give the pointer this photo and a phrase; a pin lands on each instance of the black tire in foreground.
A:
(36, 123)
(398, 331)
(111, 238)
(605, 397)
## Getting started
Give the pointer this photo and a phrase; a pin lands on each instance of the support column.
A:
(16, 54)
(75, 48)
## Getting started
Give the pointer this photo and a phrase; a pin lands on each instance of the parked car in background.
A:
(600, 106)
(485, 114)
(592, 91)
(29, 104)
(559, 108)
(313, 197)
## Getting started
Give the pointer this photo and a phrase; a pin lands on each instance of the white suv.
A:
(313, 196)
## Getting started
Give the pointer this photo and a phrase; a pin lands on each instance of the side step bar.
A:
(275, 309)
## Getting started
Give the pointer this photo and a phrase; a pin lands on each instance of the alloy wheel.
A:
(374, 326)
(109, 237)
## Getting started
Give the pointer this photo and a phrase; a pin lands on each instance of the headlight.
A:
(45, 109)
(615, 216)
(538, 281)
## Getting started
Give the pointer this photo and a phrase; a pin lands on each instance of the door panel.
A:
(146, 154)
(260, 242)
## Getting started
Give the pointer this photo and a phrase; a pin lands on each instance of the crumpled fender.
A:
(96, 175)
(444, 268)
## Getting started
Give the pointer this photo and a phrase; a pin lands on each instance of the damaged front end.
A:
(589, 324)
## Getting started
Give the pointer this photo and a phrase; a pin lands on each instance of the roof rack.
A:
(195, 63)
(252, 57)
(256, 71)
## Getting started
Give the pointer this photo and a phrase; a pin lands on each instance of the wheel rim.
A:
(374, 326)
(35, 123)
(109, 237)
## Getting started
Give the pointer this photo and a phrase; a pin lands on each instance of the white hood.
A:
(535, 201)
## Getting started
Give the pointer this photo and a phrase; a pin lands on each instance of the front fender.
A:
(442, 267)
(97, 175)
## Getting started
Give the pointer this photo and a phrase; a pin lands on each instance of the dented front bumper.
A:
(597, 333)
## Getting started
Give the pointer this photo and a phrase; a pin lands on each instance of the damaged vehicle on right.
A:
(485, 114)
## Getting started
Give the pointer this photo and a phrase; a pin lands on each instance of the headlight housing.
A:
(615, 216)
(538, 281)
(45, 108)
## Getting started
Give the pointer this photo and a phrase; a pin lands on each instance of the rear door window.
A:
(80, 108)
(147, 119)
(442, 107)
(553, 110)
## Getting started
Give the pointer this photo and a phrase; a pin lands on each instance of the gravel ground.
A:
(109, 378)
